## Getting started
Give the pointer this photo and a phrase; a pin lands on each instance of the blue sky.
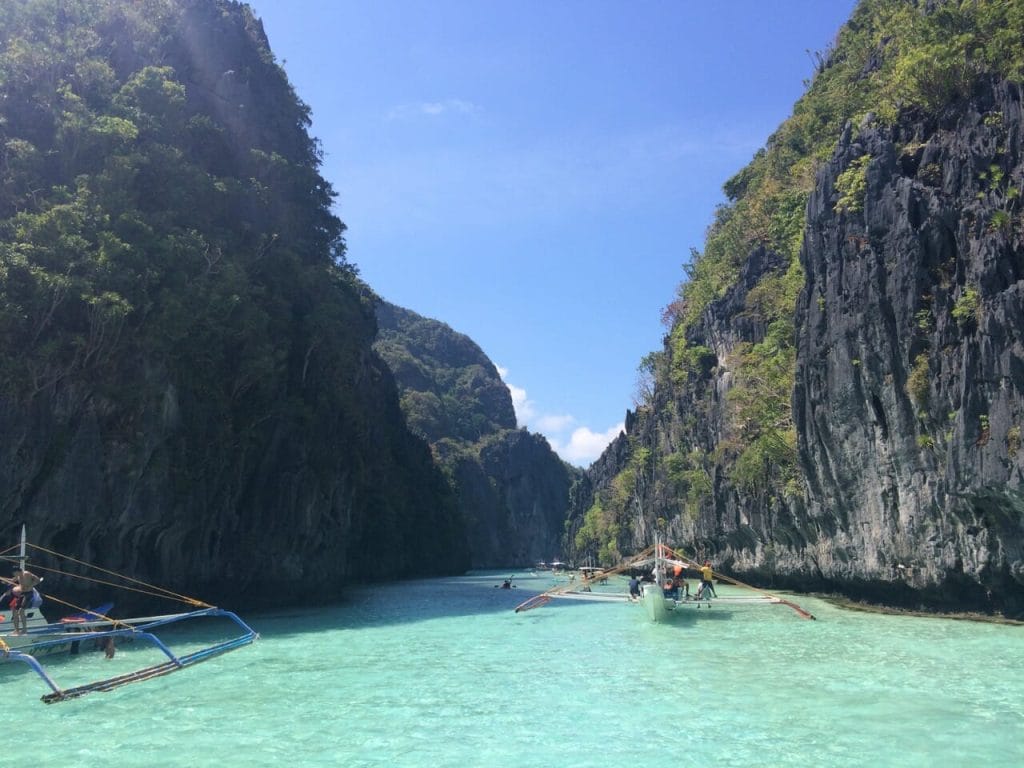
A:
(534, 172)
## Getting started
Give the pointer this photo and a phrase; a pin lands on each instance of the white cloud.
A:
(525, 412)
(553, 423)
(433, 109)
(585, 445)
(580, 447)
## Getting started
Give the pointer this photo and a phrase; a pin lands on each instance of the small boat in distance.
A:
(593, 573)
(95, 628)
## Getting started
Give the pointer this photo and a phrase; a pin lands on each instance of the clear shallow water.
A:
(444, 673)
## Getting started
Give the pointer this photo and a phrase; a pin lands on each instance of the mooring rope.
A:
(90, 611)
(158, 591)
(114, 584)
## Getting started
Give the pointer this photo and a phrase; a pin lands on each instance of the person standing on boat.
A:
(706, 583)
(11, 599)
(679, 582)
(24, 596)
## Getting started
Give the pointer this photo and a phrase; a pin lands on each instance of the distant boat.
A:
(592, 573)
(659, 564)
(95, 628)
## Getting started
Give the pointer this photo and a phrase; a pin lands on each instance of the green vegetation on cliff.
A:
(450, 389)
(512, 489)
(141, 211)
(892, 57)
(171, 272)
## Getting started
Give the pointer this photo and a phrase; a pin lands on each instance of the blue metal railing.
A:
(141, 632)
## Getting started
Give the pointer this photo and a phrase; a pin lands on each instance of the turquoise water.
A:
(444, 673)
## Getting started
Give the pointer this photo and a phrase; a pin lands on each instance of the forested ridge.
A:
(837, 403)
(187, 385)
(511, 488)
(451, 391)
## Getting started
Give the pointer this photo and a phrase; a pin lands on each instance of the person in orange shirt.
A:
(679, 582)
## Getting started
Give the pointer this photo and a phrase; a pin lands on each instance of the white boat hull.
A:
(36, 623)
(40, 630)
(655, 603)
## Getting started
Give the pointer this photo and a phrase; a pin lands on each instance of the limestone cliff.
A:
(187, 387)
(910, 384)
(512, 489)
(838, 403)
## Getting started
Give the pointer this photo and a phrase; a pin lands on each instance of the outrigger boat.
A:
(660, 601)
(94, 628)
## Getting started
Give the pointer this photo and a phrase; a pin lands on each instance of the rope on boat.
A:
(104, 582)
(53, 598)
(157, 591)
(140, 630)
(147, 589)
(80, 609)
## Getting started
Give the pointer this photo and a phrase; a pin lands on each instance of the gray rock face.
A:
(514, 500)
(910, 374)
(908, 396)
(748, 531)
(512, 490)
(266, 516)
(228, 432)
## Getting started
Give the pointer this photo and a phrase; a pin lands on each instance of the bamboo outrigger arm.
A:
(39, 637)
(173, 663)
(545, 597)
